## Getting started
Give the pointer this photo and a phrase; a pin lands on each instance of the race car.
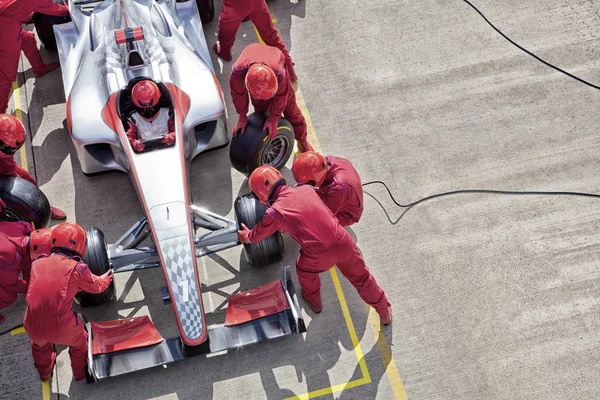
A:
(105, 49)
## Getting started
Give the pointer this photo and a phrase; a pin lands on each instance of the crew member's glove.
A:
(169, 139)
(271, 127)
(243, 234)
(107, 277)
(240, 125)
(138, 145)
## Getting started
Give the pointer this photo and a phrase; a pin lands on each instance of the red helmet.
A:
(310, 167)
(70, 237)
(12, 134)
(263, 181)
(39, 243)
(145, 94)
(261, 82)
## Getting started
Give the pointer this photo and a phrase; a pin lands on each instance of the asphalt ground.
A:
(495, 297)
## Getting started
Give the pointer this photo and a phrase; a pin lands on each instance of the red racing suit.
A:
(13, 39)
(233, 12)
(299, 212)
(8, 167)
(284, 101)
(14, 260)
(342, 191)
(49, 319)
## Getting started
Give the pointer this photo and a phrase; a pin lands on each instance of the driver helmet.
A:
(145, 95)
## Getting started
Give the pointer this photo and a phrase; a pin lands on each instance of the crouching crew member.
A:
(14, 39)
(260, 72)
(299, 212)
(55, 280)
(337, 183)
(12, 137)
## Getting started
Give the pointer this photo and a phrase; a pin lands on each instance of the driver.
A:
(12, 137)
(148, 121)
(55, 280)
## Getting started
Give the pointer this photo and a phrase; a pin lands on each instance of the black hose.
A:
(529, 52)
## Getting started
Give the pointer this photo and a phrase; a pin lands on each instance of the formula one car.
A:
(105, 49)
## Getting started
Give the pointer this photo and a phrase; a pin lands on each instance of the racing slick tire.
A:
(96, 257)
(44, 26)
(24, 202)
(249, 211)
(253, 149)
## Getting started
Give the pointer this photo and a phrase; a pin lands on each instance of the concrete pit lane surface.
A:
(494, 297)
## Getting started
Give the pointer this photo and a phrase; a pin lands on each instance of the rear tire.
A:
(249, 211)
(24, 202)
(96, 257)
(250, 150)
(44, 26)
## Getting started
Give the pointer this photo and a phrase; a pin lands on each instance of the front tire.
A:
(96, 257)
(253, 149)
(24, 202)
(249, 211)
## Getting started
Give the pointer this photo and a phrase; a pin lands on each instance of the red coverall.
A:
(284, 101)
(8, 167)
(12, 40)
(14, 260)
(55, 280)
(342, 191)
(300, 213)
(234, 12)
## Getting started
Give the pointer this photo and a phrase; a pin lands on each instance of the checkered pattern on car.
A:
(179, 263)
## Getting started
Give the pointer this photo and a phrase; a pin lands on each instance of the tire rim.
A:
(275, 151)
(10, 216)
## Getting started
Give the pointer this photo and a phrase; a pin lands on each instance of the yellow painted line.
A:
(46, 390)
(19, 115)
(330, 390)
(386, 355)
(350, 324)
(17, 331)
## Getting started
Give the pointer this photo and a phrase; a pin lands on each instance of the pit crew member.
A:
(49, 319)
(337, 183)
(259, 73)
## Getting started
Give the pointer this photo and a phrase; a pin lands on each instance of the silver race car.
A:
(105, 49)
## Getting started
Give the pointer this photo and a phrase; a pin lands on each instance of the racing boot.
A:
(304, 146)
(46, 377)
(386, 316)
(315, 305)
(45, 69)
(1, 318)
(57, 213)
(221, 53)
